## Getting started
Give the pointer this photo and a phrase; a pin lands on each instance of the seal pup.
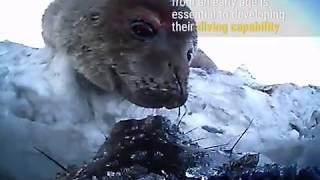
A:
(125, 47)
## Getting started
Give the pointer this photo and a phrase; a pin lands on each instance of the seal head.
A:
(125, 46)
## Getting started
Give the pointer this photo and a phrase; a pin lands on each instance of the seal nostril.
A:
(144, 82)
(151, 80)
(86, 48)
(169, 65)
(94, 16)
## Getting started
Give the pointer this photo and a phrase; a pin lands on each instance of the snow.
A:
(41, 105)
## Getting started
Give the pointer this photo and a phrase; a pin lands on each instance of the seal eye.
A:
(142, 30)
(190, 55)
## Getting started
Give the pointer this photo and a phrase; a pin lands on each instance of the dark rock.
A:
(137, 148)
(154, 148)
(315, 118)
(267, 89)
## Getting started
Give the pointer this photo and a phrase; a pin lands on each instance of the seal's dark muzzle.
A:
(159, 98)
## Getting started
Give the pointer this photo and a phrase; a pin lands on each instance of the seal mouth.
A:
(149, 98)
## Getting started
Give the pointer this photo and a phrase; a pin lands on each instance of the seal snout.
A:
(166, 88)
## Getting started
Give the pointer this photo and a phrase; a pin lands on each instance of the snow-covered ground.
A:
(45, 108)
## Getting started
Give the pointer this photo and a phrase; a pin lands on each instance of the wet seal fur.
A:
(96, 37)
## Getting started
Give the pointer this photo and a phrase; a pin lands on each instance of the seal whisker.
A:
(216, 146)
(178, 117)
(199, 139)
(191, 130)
(238, 140)
(184, 114)
(51, 159)
(185, 111)
(178, 82)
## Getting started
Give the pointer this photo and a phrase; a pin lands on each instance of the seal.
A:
(125, 47)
